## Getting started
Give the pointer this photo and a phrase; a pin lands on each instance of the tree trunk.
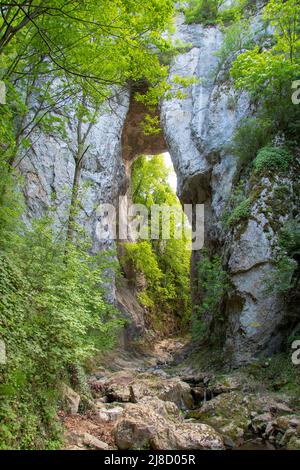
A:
(74, 199)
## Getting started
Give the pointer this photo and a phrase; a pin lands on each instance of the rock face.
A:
(197, 131)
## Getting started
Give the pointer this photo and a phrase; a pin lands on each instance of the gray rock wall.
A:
(198, 131)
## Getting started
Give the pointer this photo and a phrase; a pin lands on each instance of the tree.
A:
(164, 263)
(62, 59)
(149, 182)
(267, 73)
(203, 11)
(83, 47)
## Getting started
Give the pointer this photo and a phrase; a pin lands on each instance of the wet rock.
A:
(260, 422)
(196, 379)
(227, 414)
(200, 394)
(203, 392)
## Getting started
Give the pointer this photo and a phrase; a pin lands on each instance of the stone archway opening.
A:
(134, 141)
(135, 144)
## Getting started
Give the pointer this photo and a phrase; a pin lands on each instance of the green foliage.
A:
(290, 238)
(210, 12)
(238, 208)
(163, 263)
(144, 260)
(238, 36)
(150, 182)
(267, 73)
(285, 277)
(278, 373)
(240, 212)
(213, 284)
(281, 281)
(121, 32)
(52, 316)
(54, 53)
(276, 159)
(249, 138)
(10, 204)
(151, 125)
(202, 11)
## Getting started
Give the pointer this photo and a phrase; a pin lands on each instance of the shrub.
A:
(286, 274)
(202, 11)
(238, 36)
(250, 136)
(290, 238)
(209, 12)
(144, 260)
(166, 271)
(238, 207)
(240, 212)
(52, 316)
(213, 284)
(282, 280)
(268, 70)
(272, 159)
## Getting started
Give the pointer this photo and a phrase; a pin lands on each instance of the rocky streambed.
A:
(142, 402)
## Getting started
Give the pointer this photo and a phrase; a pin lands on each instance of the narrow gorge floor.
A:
(148, 401)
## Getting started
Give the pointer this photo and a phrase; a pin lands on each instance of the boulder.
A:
(260, 423)
(172, 389)
(71, 399)
(149, 424)
(109, 412)
(117, 386)
(81, 440)
(188, 436)
(93, 442)
(126, 387)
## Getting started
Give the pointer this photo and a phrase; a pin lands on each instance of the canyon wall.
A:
(197, 131)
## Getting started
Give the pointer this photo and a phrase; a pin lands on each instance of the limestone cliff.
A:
(197, 132)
